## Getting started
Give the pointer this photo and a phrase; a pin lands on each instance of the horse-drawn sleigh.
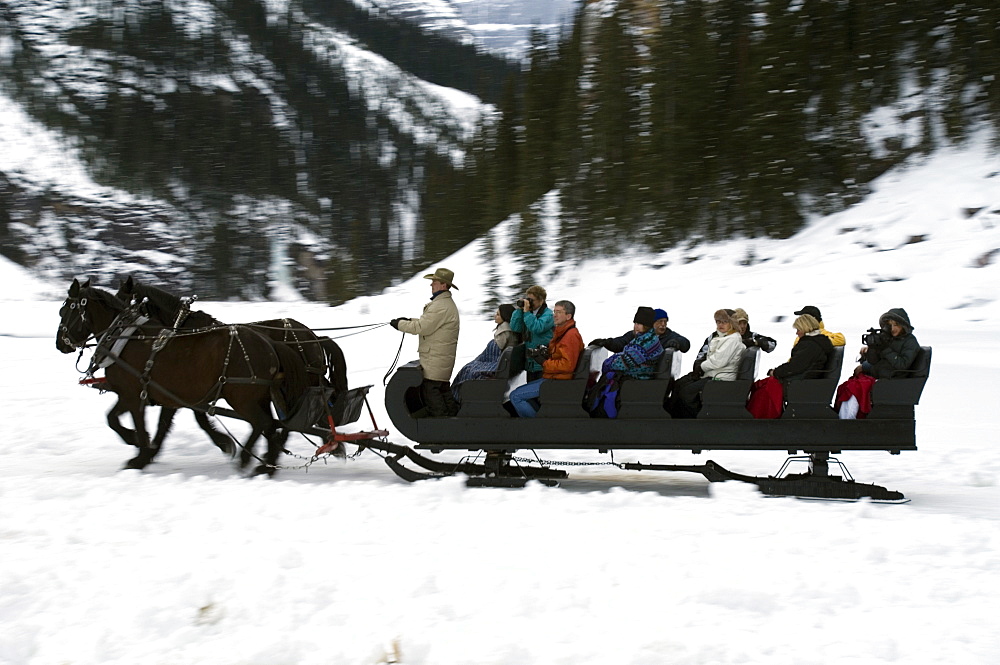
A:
(281, 377)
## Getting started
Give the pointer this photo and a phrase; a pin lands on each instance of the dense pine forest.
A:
(674, 120)
(657, 121)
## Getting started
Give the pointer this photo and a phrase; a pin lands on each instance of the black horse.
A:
(183, 370)
(323, 357)
(325, 364)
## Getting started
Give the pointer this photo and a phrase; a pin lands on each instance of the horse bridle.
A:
(75, 303)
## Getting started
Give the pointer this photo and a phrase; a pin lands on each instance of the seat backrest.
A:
(511, 362)
(921, 367)
(895, 397)
(834, 363)
(665, 365)
(749, 362)
(583, 364)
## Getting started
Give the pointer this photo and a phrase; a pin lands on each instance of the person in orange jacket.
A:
(563, 352)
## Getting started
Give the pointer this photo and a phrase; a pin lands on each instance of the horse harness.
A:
(121, 331)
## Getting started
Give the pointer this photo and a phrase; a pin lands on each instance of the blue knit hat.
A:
(660, 314)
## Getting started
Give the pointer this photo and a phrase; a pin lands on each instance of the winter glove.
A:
(395, 322)
(598, 342)
(672, 344)
(766, 343)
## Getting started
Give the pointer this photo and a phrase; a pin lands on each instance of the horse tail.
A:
(337, 363)
(293, 379)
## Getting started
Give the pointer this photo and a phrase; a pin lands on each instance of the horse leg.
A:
(261, 422)
(115, 423)
(221, 440)
(147, 451)
(246, 450)
(163, 426)
(275, 446)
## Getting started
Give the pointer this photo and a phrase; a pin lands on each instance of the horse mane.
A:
(164, 306)
(105, 297)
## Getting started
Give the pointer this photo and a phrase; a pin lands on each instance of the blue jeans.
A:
(525, 398)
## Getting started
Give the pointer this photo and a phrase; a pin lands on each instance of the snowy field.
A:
(188, 562)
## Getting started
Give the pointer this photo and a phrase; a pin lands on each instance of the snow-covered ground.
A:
(188, 562)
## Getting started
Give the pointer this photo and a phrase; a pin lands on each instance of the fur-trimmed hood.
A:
(896, 314)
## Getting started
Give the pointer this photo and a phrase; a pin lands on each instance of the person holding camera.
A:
(887, 350)
(438, 332)
(890, 348)
(558, 359)
(533, 320)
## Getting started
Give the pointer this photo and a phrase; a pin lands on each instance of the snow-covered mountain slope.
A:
(65, 65)
(501, 26)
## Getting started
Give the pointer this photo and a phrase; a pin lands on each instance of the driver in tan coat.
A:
(438, 332)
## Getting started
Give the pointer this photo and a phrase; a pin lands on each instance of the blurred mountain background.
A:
(335, 147)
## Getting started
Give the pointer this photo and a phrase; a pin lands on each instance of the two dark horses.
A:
(250, 366)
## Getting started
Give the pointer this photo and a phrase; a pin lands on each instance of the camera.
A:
(876, 338)
(539, 354)
(519, 303)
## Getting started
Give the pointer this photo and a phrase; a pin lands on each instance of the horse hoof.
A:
(263, 470)
(135, 463)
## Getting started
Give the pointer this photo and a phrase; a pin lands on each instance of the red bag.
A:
(767, 398)
(860, 387)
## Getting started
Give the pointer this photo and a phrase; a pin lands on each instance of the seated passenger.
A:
(887, 352)
(532, 319)
(562, 354)
(767, 396)
(636, 361)
(892, 350)
(765, 343)
(485, 364)
(669, 339)
(810, 353)
(836, 338)
(720, 363)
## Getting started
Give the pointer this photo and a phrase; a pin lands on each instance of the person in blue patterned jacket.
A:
(669, 339)
(636, 361)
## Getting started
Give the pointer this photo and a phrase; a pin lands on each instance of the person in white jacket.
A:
(725, 349)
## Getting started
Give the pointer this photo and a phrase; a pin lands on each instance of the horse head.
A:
(72, 332)
(86, 312)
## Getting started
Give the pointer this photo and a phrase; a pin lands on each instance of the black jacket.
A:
(888, 361)
(810, 354)
(668, 340)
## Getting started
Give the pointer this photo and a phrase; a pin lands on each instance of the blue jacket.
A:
(536, 328)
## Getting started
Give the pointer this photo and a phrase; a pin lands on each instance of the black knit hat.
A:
(646, 316)
(506, 311)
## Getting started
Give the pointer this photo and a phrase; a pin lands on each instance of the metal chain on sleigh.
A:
(543, 462)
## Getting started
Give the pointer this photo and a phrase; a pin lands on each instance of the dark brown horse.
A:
(324, 359)
(183, 369)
